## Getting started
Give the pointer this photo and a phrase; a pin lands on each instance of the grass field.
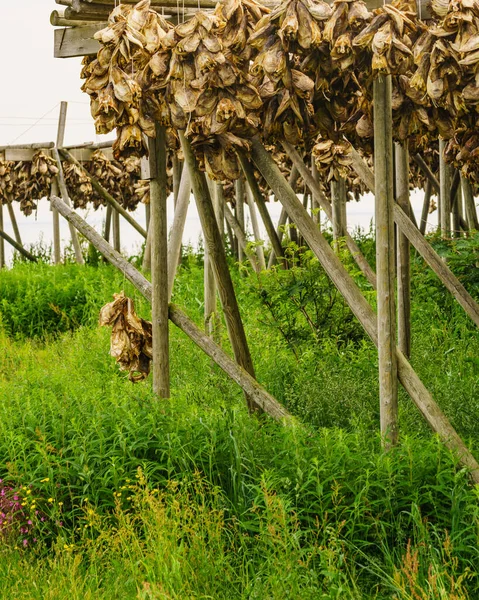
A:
(109, 493)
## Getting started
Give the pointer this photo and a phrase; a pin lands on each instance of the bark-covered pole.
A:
(178, 227)
(159, 263)
(255, 226)
(403, 251)
(260, 397)
(13, 221)
(384, 178)
(17, 246)
(219, 263)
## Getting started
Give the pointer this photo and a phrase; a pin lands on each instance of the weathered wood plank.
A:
(76, 41)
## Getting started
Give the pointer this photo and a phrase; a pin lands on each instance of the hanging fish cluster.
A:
(119, 77)
(33, 181)
(78, 184)
(6, 182)
(131, 341)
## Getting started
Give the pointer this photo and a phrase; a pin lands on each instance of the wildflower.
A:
(50, 500)
(45, 480)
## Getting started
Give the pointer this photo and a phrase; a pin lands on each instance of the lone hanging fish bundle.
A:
(131, 341)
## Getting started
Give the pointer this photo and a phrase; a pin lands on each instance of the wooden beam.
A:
(34, 146)
(159, 263)
(255, 226)
(76, 41)
(360, 307)
(418, 159)
(259, 396)
(13, 220)
(241, 238)
(219, 263)
(469, 204)
(178, 227)
(445, 191)
(17, 246)
(57, 19)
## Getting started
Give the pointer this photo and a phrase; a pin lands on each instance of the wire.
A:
(37, 121)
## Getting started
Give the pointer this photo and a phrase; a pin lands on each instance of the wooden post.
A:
(239, 214)
(425, 207)
(147, 217)
(360, 307)
(159, 263)
(219, 263)
(256, 231)
(384, 174)
(62, 120)
(57, 257)
(444, 196)
(403, 251)
(469, 204)
(418, 159)
(277, 249)
(315, 203)
(338, 203)
(178, 227)
(106, 233)
(115, 217)
(64, 194)
(209, 284)
(220, 207)
(251, 387)
(2, 244)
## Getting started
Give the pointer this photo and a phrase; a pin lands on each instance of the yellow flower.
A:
(50, 500)
(60, 504)
(45, 480)
(29, 491)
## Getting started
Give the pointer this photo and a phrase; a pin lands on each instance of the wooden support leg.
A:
(256, 232)
(178, 227)
(116, 230)
(277, 249)
(241, 238)
(217, 254)
(106, 234)
(209, 284)
(444, 196)
(425, 207)
(403, 251)
(251, 387)
(17, 246)
(469, 205)
(384, 176)
(315, 204)
(239, 214)
(159, 264)
(338, 204)
(360, 307)
(57, 257)
(13, 221)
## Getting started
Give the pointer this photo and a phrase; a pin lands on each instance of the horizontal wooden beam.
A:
(80, 154)
(57, 19)
(77, 41)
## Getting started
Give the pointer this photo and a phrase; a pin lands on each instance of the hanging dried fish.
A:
(131, 339)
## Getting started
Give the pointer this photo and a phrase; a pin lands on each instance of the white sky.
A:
(33, 85)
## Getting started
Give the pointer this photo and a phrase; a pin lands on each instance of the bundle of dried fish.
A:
(115, 79)
(78, 184)
(6, 180)
(131, 340)
(33, 180)
(332, 159)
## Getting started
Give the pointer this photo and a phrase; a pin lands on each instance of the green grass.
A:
(192, 497)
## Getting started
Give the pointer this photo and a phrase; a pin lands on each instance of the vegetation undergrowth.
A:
(107, 492)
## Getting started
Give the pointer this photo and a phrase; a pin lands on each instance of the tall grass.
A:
(193, 498)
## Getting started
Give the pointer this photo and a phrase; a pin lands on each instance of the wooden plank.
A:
(17, 246)
(425, 207)
(76, 41)
(260, 397)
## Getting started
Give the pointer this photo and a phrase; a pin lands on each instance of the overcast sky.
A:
(34, 82)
